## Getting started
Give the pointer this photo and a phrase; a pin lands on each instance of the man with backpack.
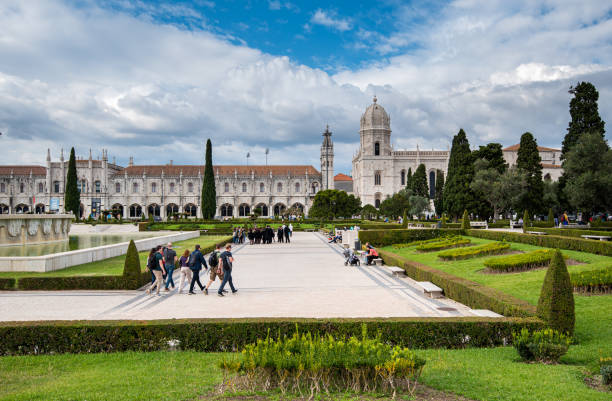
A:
(215, 271)
(226, 261)
(196, 261)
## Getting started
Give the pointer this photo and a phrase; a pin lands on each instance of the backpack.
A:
(191, 262)
(151, 262)
(213, 259)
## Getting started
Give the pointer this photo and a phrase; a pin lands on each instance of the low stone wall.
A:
(58, 261)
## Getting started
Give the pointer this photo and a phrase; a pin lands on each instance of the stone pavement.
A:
(306, 278)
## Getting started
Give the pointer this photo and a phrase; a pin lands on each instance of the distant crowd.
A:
(263, 235)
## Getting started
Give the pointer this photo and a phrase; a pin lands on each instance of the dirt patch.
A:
(573, 262)
(595, 382)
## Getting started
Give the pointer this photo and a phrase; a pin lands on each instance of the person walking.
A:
(290, 229)
(279, 234)
(170, 259)
(227, 260)
(287, 234)
(151, 264)
(196, 261)
(158, 270)
(186, 274)
(214, 268)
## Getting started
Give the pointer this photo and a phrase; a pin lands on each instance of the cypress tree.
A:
(529, 161)
(585, 115)
(131, 267)
(409, 179)
(465, 223)
(419, 182)
(405, 219)
(209, 193)
(72, 197)
(439, 198)
(526, 221)
(457, 193)
(551, 217)
(556, 303)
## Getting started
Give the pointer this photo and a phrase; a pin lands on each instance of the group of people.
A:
(266, 235)
(162, 262)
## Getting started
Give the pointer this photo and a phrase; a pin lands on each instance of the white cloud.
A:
(327, 18)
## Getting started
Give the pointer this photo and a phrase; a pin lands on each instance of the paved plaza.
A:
(306, 278)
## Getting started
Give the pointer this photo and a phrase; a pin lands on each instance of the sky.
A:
(155, 79)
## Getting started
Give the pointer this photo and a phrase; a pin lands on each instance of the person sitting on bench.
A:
(335, 239)
(372, 254)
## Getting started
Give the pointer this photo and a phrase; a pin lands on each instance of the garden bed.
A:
(493, 248)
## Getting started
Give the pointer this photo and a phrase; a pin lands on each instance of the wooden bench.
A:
(515, 224)
(396, 271)
(478, 224)
(537, 232)
(430, 289)
(597, 237)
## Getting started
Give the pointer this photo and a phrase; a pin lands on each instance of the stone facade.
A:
(551, 160)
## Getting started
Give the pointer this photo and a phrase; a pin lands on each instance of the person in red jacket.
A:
(372, 254)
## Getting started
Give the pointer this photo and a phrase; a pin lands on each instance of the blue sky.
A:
(155, 79)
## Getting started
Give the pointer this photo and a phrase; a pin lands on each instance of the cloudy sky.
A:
(154, 79)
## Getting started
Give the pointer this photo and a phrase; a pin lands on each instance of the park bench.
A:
(430, 289)
(479, 224)
(597, 237)
(396, 271)
(515, 224)
(378, 261)
(536, 232)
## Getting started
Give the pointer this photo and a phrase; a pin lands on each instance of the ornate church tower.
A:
(375, 131)
(327, 160)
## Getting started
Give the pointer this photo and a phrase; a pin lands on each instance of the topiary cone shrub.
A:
(556, 303)
(405, 220)
(465, 224)
(551, 218)
(526, 221)
(131, 268)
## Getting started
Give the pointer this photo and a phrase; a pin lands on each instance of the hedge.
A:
(491, 248)
(390, 237)
(81, 283)
(520, 262)
(445, 243)
(215, 335)
(474, 295)
(547, 241)
(7, 283)
(597, 281)
(573, 232)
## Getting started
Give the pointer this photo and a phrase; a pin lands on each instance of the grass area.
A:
(114, 266)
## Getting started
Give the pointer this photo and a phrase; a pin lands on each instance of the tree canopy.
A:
(439, 198)
(584, 115)
(493, 154)
(529, 161)
(419, 182)
(395, 205)
(332, 203)
(458, 195)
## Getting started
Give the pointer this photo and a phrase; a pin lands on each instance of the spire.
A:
(62, 155)
(48, 155)
(89, 153)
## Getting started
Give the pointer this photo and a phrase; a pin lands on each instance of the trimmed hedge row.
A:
(547, 241)
(597, 281)
(215, 335)
(81, 283)
(474, 295)
(491, 248)
(390, 237)
(520, 262)
(573, 232)
(7, 283)
(443, 244)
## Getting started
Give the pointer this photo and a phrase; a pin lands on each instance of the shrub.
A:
(556, 303)
(525, 261)
(598, 281)
(131, 267)
(315, 364)
(546, 345)
(465, 223)
(491, 248)
(81, 283)
(573, 232)
(389, 237)
(605, 368)
(526, 221)
(7, 283)
(551, 218)
(443, 244)
(547, 241)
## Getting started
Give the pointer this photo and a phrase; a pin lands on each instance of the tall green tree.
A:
(409, 179)
(529, 161)
(332, 203)
(439, 198)
(458, 195)
(585, 115)
(72, 197)
(395, 205)
(556, 303)
(502, 191)
(209, 193)
(493, 154)
(589, 164)
(419, 182)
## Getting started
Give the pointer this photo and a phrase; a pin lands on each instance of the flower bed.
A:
(475, 251)
(446, 243)
(520, 262)
(545, 345)
(592, 281)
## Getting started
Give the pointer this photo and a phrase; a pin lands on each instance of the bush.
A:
(547, 241)
(131, 268)
(390, 237)
(474, 295)
(443, 244)
(551, 218)
(605, 368)
(465, 223)
(525, 261)
(222, 335)
(7, 283)
(81, 283)
(526, 221)
(315, 364)
(546, 346)
(556, 303)
(573, 232)
(491, 248)
(598, 281)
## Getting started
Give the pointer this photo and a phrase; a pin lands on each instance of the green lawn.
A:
(114, 266)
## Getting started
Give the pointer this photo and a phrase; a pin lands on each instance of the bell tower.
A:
(327, 160)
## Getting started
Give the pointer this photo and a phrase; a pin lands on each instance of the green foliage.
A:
(457, 193)
(369, 212)
(529, 162)
(72, 197)
(418, 205)
(7, 284)
(409, 179)
(332, 203)
(223, 335)
(465, 222)
(444, 243)
(131, 268)
(547, 241)
(492, 248)
(589, 282)
(526, 221)
(584, 115)
(209, 192)
(311, 363)
(605, 368)
(556, 303)
(405, 219)
(546, 345)
(551, 217)
(384, 237)
(520, 262)
(574, 232)
(439, 198)
(494, 156)
(419, 182)
(81, 283)
(395, 205)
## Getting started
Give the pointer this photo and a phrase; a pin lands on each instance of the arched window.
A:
(56, 187)
(377, 149)
(21, 187)
(244, 187)
(41, 187)
(4, 209)
(134, 190)
(432, 184)
(135, 211)
(377, 203)
(244, 210)
(172, 209)
(403, 177)
(190, 187)
(262, 187)
(2, 187)
(39, 209)
(97, 185)
(154, 210)
(279, 187)
(227, 210)
(297, 187)
(117, 187)
(82, 186)
(153, 187)
(279, 209)
(226, 187)
(263, 209)
(191, 209)
(21, 208)
(377, 180)
(172, 188)
(315, 187)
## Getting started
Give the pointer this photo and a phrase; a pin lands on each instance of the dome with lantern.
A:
(375, 117)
